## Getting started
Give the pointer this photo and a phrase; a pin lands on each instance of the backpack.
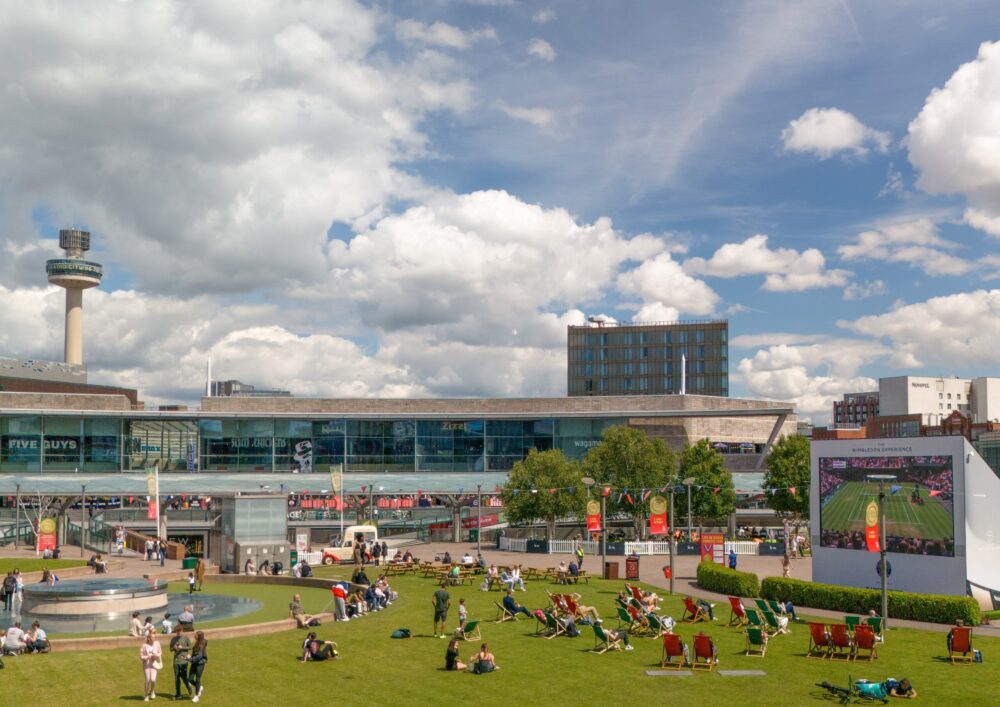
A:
(314, 622)
(401, 633)
(571, 630)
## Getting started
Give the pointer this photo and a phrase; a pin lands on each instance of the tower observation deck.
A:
(75, 274)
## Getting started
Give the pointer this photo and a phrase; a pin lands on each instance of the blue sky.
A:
(411, 199)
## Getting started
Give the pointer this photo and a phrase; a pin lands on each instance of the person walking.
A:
(151, 656)
(786, 566)
(163, 552)
(199, 658)
(376, 552)
(732, 558)
(199, 572)
(180, 646)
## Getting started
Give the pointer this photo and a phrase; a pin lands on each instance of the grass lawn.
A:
(26, 564)
(375, 669)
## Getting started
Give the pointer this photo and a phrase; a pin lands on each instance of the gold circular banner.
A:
(657, 505)
(871, 514)
(593, 508)
(47, 526)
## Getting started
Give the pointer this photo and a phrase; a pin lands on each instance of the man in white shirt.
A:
(135, 625)
(467, 559)
(186, 618)
(14, 639)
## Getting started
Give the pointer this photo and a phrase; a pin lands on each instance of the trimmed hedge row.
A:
(933, 608)
(716, 578)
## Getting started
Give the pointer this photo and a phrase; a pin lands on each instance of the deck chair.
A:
(635, 592)
(603, 642)
(673, 648)
(693, 613)
(558, 604)
(776, 625)
(756, 642)
(864, 640)
(503, 614)
(658, 626)
(841, 645)
(554, 626)
(961, 645)
(471, 631)
(703, 654)
(876, 624)
(819, 641)
(776, 607)
(761, 605)
(626, 621)
(754, 619)
(852, 622)
(737, 614)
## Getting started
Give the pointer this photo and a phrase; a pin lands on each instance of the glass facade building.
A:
(60, 442)
(648, 359)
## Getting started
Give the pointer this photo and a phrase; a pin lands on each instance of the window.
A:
(668, 352)
(666, 337)
(699, 335)
(628, 354)
(683, 337)
(643, 337)
(588, 355)
(668, 367)
(644, 352)
(628, 339)
(949, 406)
(627, 370)
(643, 384)
(627, 384)
(940, 406)
(949, 398)
(940, 396)
(643, 368)
(701, 352)
(602, 369)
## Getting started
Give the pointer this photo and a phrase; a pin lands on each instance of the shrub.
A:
(933, 608)
(716, 578)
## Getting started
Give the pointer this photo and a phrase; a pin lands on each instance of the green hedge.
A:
(716, 578)
(933, 608)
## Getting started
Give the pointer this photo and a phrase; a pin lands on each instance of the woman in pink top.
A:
(151, 656)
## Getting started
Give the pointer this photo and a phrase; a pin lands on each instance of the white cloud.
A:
(916, 243)
(539, 117)
(858, 290)
(954, 141)
(893, 183)
(810, 375)
(656, 312)
(661, 280)
(778, 338)
(787, 270)
(953, 331)
(829, 131)
(543, 16)
(985, 222)
(541, 49)
(440, 34)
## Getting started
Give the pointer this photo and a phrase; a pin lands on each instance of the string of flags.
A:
(643, 494)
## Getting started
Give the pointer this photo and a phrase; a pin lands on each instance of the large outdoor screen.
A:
(919, 503)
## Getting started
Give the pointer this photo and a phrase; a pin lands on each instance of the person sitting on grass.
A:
(512, 606)
(297, 612)
(451, 661)
(37, 641)
(317, 650)
(613, 635)
(899, 688)
(483, 661)
(15, 639)
(359, 577)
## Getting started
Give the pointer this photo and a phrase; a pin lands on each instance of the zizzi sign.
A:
(49, 444)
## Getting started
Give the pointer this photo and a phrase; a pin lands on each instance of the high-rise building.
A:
(608, 358)
(76, 275)
(855, 409)
(239, 389)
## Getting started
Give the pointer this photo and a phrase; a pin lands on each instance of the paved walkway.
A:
(685, 568)
(128, 565)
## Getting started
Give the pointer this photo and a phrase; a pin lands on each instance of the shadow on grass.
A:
(133, 698)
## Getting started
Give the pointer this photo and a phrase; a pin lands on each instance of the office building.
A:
(855, 409)
(238, 389)
(608, 358)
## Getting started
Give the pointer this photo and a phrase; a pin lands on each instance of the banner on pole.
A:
(151, 481)
(871, 528)
(151, 510)
(658, 515)
(336, 478)
(47, 534)
(593, 516)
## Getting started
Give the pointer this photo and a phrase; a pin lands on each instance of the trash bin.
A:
(293, 557)
(610, 570)
(666, 571)
(632, 567)
(474, 535)
(189, 563)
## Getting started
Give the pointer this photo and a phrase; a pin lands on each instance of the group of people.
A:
(184, 621)
(156, 549)
(189, 661)
(16, 640)
(12, 591)
(511, 579)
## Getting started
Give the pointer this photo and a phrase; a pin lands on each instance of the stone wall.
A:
(63, 401)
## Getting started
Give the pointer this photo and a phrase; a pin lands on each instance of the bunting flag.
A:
(571, 489)
(894, 489)
(552, 492)
(717, 489)
(646, 494)
(628, 497)
(515, 491)
(606, 491)
(934, 493)
(791, 490)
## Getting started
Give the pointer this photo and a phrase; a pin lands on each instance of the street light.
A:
(83, 517)
(588, 482)
(673, 549)
(479, 520)
(882, 479)
(689, 481)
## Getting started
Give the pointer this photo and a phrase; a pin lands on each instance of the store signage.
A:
(49, 444)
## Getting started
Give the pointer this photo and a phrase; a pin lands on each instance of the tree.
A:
(627, 458)
(712, 493)
(788, 467)
(528, 494)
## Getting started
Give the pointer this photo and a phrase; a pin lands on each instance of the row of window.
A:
(645, 368)
(650, 352)
(630, 338)
(702, 385)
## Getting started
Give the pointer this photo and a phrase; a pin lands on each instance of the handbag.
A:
(157, 664)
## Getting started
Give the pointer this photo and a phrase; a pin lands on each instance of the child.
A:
(148, 626)
(463, 614)
(191, 581)
(166, 625)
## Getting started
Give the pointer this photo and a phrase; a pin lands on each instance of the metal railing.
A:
(569, 546)
(514, 544)
(131, 515)
(24, 535)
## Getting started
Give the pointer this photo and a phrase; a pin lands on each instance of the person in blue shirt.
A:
(732, 559)
(512, 606)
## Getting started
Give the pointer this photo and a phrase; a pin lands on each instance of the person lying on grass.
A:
(317, 650)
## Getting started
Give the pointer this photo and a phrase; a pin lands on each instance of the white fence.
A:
(742, 547)
(514, 544)
(569, 546)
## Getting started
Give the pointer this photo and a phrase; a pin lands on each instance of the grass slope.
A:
(375, 669)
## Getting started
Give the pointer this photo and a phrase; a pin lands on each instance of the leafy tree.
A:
(627, 458)
(788, 467)
(712, 494)
(527, 495)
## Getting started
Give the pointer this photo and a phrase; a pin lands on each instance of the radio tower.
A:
(76, 275)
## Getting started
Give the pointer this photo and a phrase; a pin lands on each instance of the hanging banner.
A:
(47, 534)
(658, 515)
(871, 527)
(151, 509)
(593, 516)
(151, 481)
(336, 478)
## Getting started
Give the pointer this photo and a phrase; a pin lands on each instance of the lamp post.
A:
(588, 482)
(83, 517)
(17, 516)
(479, 520)
(882, 479)
(689, 481)
(673, 549)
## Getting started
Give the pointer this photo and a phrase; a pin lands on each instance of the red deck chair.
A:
(961, 644)
(673, 648)
(635, 591)
(694, 612)
(819, 641)
(737, 614)
(703, 653)
(864, 640)
(840, 641)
